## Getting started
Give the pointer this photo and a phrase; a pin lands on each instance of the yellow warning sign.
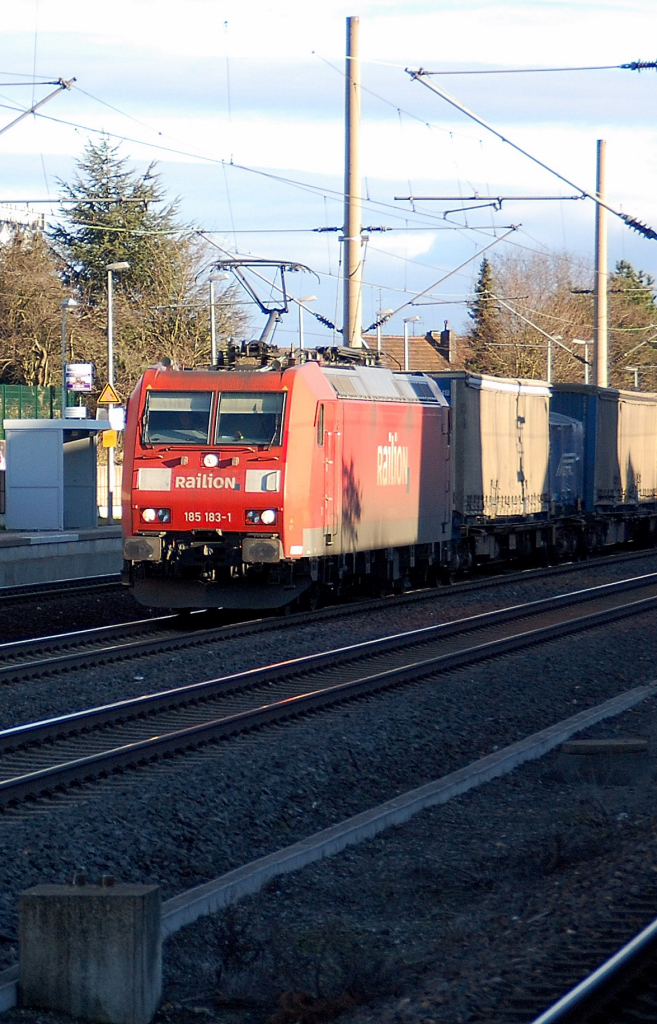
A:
(108, 396)
(109, 438)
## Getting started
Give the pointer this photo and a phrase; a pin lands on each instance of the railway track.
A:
(81, 585)
(41, 757)
(111, 582)
(622, 990)
(40, 656)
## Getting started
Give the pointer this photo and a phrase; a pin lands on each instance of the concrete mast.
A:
(352, 235)
(600, 334)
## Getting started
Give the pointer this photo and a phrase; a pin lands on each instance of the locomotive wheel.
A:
(311, 599)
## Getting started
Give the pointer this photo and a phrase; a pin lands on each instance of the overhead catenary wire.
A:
(579, 324)
(292, 182)
(286, 180)
(305, 186)
(319, 190)
(530, 323)
(388, 316)
(635, 65)
(632, 222)
(61, 85)
(327, 323)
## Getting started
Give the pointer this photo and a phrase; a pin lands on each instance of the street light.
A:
(551, 338)
(587, 365)
(66, 304)
(304, 298)
(635, 371)
(111, 268)
(379, 314)
(213, 323)
(408, 320)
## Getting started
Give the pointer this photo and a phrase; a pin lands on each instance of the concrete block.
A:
(617, 745)
(92, 951)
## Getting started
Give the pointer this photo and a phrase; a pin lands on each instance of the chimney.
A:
(444, 343)
(448, 343)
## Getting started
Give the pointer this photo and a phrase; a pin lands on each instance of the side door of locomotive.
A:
(332, 471)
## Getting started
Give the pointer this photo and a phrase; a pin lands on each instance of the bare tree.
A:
(522, 298)
(30, 317)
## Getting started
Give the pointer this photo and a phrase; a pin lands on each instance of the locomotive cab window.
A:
(177, 417)
(250, 417)
(320, 424)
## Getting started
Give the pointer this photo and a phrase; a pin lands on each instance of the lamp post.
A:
(379, 314)
(213, 322)
(550, 342)
(587, 365)
(408, 320)
(304, 298)
(111, 268)
(66, 304)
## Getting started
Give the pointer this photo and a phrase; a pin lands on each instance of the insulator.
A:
(643, 229)
(640, 65)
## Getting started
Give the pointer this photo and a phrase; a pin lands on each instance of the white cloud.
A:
(407, 245)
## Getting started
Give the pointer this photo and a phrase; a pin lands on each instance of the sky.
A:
(242, 108)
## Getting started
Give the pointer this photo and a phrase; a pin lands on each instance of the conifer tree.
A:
(112, 213)
(637, 286)
(486, 329)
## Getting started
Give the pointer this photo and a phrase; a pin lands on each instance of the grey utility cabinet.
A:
(51, 474)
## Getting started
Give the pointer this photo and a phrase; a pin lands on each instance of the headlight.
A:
(152, 515)
(254, 517)
(211, 459)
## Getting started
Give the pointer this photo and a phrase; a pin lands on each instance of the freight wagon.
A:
(500, 465)
(618, 487)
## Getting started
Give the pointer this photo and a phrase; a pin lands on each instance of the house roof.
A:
(426, 353)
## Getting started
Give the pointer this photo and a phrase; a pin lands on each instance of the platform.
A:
(48, 556)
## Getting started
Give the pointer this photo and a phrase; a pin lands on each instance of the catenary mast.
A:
(600, 332)
(352, 237)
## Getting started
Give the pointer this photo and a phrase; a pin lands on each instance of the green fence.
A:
(27, 402)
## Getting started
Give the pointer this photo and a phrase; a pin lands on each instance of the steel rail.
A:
(172, 741)
(213, 895)
(484, 579)
(24, 648)
(54, 588)
(51, 728)
(17, 661)
(605, 982)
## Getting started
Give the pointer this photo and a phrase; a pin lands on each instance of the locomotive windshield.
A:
(250, 417)
(177, 417)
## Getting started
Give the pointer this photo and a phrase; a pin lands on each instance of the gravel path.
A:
(424, 905)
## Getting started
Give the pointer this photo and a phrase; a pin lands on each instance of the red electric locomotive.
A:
(262, 486)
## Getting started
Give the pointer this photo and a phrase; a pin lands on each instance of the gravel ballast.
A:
(454, 893)
(64, 611)
(75, 690)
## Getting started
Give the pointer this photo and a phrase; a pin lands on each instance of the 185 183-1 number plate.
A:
(207, 517)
